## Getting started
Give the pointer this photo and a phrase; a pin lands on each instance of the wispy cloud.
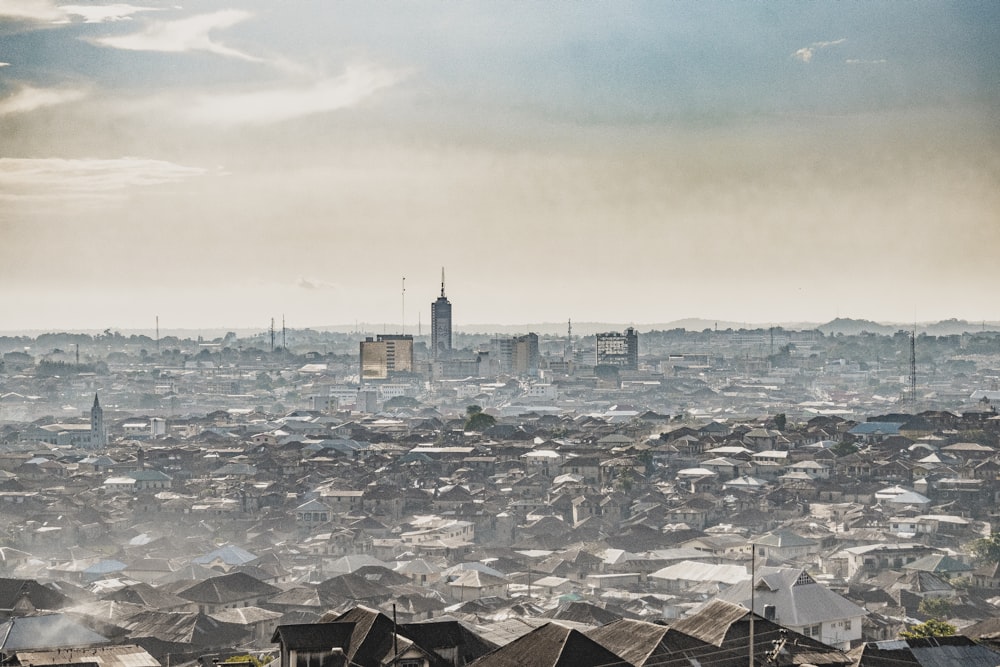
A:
(29, 98)
(273, 105)
(189, 34)
(105, 13)
(31, 10)
(4, 64)
(856, 61)
(88, 178)
(312, 284)
(806, 53)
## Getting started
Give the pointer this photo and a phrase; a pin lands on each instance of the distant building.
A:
(525, 355)
(618, 349)
(440, 323)
(387, 354)
(517, 355)
(98, 434)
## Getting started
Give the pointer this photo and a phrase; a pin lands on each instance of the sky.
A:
(221, 163)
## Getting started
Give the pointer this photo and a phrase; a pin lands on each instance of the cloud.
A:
(31, 10)
(311, 284)
(855, 61)
(29, 99)
(105, 13)
(806, 53)
(87, 178)
(262, 107)
(4, 64)
(182, 35)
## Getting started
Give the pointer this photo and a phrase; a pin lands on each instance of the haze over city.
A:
(220, 164)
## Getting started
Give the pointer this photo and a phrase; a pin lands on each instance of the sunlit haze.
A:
(219, 164)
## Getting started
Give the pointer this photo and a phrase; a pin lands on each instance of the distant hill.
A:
(852, 327)
(842, 325)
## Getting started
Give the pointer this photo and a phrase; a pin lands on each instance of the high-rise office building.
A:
(98, 435)
(516, 355)
(525, 355)
(440, 323)
(619, 349)
(389, 353)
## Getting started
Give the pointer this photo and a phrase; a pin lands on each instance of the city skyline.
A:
(632, 162)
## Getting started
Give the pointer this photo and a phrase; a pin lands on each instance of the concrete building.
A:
(387, 354)
(440, 323)
(618, 349)
(516, 355)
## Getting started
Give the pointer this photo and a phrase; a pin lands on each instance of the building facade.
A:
(516, 355)
(618, 349)
(386, 354)
(440, 324)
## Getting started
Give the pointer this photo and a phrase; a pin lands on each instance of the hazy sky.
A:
(222, 163)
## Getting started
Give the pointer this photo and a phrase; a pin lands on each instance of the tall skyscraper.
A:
(98, 435)
(440, 323)
(617, 349)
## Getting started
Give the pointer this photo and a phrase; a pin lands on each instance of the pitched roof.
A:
(44, 632)
(228, 588)
(798, 600)
(551, 645)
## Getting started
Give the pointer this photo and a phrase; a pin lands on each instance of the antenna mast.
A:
(913, 366)
(284, 346)
(568, 354)
(157, 335)
(272, 334)
(402, 326)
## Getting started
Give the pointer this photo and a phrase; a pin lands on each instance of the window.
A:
(811, 630)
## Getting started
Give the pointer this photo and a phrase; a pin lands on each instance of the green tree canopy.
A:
(987, 549)
(935, 607)
(479, 421)
(930, 628)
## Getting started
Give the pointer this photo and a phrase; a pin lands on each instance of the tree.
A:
(987, 549)
(477, 420)
(930, 628)
(780, 421)
(844, 449)
(935, 607)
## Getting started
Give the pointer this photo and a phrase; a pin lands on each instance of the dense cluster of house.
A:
(219, 501)
(555, 535)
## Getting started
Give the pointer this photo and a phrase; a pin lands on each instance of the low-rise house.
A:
(228, 591)
(792, 598)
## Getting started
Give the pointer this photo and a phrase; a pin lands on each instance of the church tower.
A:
(440, 323)
(98, 436)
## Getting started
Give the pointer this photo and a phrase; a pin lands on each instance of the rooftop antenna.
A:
(442, 282)
(284, 346)
(419, 328)
(913, 365)
(157, 335)
(402, 326)
(77, 354)
(272, 334)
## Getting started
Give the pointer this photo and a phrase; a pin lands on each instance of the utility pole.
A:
(753, 586)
